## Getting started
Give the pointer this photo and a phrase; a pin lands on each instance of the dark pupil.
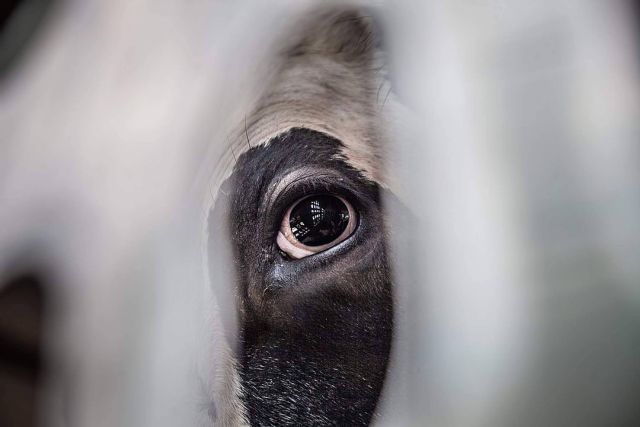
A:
(319, 220)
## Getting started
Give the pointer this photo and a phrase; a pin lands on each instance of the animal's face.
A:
(316, 331)
(302, 210)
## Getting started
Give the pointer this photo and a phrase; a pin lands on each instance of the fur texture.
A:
(316, 332)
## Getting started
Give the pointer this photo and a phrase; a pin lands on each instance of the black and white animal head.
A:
(301, 208)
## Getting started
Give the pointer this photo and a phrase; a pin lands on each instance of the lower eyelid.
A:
(291, 250)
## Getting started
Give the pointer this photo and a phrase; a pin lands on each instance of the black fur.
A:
(316, 331)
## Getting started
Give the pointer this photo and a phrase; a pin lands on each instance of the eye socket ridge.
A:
(315, 223)
(296, 183)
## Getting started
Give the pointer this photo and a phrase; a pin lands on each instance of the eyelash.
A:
(300, 189)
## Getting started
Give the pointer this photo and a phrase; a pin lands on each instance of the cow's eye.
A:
(316, 223)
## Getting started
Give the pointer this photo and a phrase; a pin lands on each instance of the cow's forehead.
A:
(312, 83)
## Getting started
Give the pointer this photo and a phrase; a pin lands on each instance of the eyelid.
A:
(290, 249)
(283, 185)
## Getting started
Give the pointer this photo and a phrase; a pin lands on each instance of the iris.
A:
(318, 220)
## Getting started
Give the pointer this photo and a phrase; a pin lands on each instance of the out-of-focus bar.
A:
(520, 168)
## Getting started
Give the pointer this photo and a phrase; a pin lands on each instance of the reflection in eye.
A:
(314, 224)
(318, 220)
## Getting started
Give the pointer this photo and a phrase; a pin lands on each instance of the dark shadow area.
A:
(22, 304)
(20, 21)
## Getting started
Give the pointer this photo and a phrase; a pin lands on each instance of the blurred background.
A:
(515, 147)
